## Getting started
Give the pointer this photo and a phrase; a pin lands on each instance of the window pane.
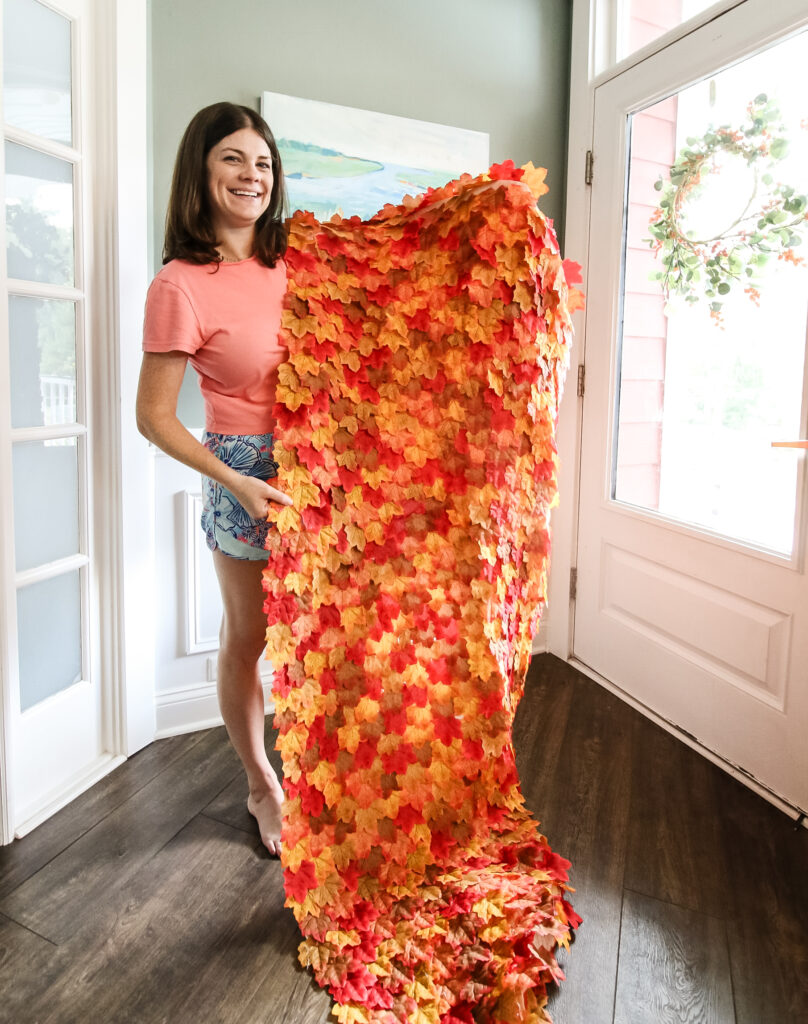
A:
(46, 496)
(49, 642)
(711, 369)
(43, 361)
(39, 216)
(36, 69)
(643, 21)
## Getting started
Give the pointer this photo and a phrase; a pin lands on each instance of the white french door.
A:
(692, 593)
(54, 725)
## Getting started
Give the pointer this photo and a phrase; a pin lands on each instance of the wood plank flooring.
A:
(151, 900)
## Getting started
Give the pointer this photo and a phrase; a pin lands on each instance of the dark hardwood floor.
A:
(150, 899)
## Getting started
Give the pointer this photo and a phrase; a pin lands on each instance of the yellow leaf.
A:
(314, 662)
(350, 1013)
(349, 738)
(355, 535)
(306, 494)
(367, 710)
(288, 520)
(287, 376)
(350, 359)
(353, 616)
(343, 854)
(281, 645)
(350, 424)
(332, 791)
(374, 532)
(322, 774)
(294, 399)
(305, 363)
(332, 558)
(296, 582)
(486, 909)
(325, 539)
(534, 177)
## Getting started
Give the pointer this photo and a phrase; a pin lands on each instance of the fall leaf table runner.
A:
(415, 425)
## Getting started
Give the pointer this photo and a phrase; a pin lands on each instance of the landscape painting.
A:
(352, 162)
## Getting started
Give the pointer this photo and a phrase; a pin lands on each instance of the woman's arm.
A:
(161, 376)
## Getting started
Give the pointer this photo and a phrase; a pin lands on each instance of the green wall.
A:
(497, 66)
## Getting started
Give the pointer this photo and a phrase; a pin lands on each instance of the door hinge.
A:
(573, 583)
(581, 380)
(588, 168)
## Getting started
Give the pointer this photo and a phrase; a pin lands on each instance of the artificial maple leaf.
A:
(534, 177)
(351, 1013)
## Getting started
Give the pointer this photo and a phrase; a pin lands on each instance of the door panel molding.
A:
(744, 642)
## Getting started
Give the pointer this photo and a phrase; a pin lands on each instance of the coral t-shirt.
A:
(227, 320)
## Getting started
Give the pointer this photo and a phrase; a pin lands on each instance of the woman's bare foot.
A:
(265, 806)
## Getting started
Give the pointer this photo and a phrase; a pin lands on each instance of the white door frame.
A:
(128, 123)
(593, 46)
(594, 27)
(122, 467)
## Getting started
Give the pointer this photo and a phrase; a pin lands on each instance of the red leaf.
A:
(572, 272)
(298, 883)
(505, 171)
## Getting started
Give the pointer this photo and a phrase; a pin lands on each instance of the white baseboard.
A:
(195, 707)
(798, 814)
(540, 643)
(61, 797)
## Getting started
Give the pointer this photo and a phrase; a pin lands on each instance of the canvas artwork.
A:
(352, 162)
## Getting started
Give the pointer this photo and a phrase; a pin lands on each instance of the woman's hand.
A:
(160, 381)
(256, 496)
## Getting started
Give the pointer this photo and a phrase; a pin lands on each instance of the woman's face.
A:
(239, 179)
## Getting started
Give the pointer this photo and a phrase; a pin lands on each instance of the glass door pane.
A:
(642, 21)
(46, 479)
(48, 442)
(39, 216)
(49, 642)
(42, 343)
(715, 301)
(54, 291)
(36, 70)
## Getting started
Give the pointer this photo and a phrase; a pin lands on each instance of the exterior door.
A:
(692, 593)
(54, 731)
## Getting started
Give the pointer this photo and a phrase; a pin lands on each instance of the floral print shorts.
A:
(228, 527)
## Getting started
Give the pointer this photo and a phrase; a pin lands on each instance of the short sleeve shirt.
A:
(227, 317)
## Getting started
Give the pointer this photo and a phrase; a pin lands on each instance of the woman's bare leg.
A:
(241, 697)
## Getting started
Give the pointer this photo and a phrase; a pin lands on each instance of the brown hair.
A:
(189, 226)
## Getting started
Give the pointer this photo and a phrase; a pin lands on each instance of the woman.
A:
(217, 301)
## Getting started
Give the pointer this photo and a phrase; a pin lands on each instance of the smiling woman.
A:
(217, 302)
(240, 183)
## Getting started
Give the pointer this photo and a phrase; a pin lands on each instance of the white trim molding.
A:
(8, 595)
(195, 707)
(540, 644)
(558, 635)
(66, 792)
(797, 814)
(134, 483)
(195, 641)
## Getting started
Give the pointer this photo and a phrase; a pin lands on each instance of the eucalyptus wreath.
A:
(770, 225)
